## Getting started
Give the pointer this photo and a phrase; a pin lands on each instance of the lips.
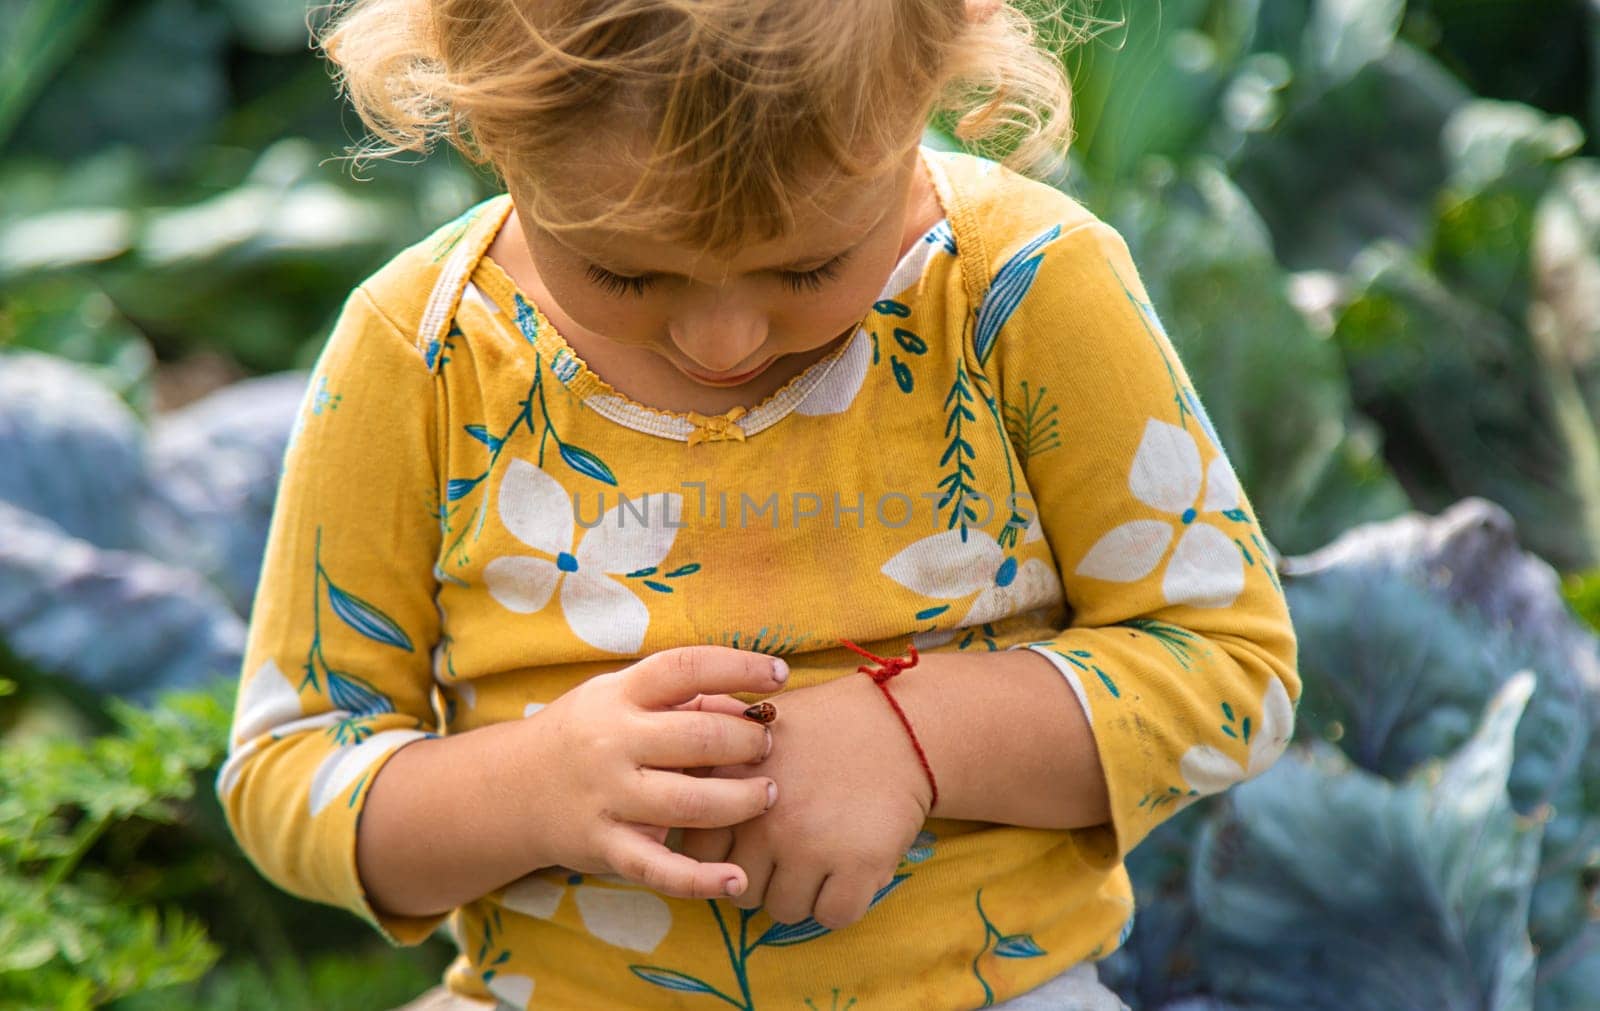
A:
(726, 379)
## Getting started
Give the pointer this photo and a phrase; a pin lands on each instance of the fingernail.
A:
(780, 669)
(772, 795)
(732, 886)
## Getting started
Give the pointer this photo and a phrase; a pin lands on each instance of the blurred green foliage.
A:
(120, 885)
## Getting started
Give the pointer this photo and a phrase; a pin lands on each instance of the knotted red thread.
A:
(888, 668)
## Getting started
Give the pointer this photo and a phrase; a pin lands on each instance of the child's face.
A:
(716, 318)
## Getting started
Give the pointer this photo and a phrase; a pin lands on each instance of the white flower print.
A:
(1206, 569)
(944, 566)
(513, 989)
(267, 702)
(344, 765)
(631, 535)
(629, 917)
(1208, 770)
(837, 390)
(269, 709)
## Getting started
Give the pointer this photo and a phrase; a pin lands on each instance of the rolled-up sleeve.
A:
(1180, 647)
(337, 675)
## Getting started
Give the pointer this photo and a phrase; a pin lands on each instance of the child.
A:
(738, 374)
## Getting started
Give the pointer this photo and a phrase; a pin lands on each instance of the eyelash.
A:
(802, 282)
(618, 284)
(811, 281)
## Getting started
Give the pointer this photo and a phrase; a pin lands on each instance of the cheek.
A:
(625, 319)
(840, 305)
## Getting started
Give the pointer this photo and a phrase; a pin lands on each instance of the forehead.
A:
(831, 213)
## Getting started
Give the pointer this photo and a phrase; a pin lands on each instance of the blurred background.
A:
(1371, 227)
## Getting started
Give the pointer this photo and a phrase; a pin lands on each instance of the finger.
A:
(655, 832)
(725, 705)
(792, 892)
(675, 676)
(707, 845)
(757, 865)
(842, 901)
(681, 739)
(677, 800)
(649, 863)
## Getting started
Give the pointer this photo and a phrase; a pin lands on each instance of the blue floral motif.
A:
(1187, 401)
(452, 233)
(318, 400)
(960, 476)
(576, 457)
(1177, 641)
(1010, 286)
(812, 1005)
(564, 365)
(781, 641)
(1032, 425)
(943, 235)
(1155, 800)
(909, 341)
(509, 988)
(435, 356)
(1083, 660)
(778, 935)
(347, 691)
(527, 320)
(1006, 946)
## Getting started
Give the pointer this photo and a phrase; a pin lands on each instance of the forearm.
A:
(1006, 739)
(447, 821)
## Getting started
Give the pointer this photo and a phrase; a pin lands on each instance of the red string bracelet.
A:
(888, 668)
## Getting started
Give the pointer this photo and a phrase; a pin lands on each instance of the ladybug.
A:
(762, 712)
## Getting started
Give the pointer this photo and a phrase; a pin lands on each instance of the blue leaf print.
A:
(910, 340)
(671, 980)
(1199, 410)
(527, 320)
(351, 693)
(902, 375)
(1127, 929)
(781, 935)
(921, 848)
(460, 486)
(886, 889)
(1018, 946)
(1011, 284)
(366, 619)
(483, 435)
(585, 462)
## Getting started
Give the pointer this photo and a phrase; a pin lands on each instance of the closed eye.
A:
(811, 281)
(618, 284)
(798, 281)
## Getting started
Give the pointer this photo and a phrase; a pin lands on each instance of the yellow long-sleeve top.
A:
(1007, 454)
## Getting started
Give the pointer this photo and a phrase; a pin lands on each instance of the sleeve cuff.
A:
(1137, 806)
(399, 931)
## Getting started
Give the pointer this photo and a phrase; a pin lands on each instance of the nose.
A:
(719, 336)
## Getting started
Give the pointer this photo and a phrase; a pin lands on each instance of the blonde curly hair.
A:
(732, 112)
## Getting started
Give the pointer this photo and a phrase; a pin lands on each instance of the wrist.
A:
(907, 759)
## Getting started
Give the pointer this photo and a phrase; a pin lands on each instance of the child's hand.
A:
(613, 746)
(854, 798)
